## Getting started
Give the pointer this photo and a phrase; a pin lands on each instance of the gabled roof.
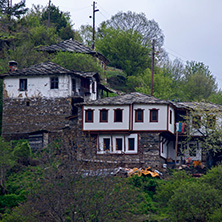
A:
(49, 68)
(127, 99)
(68, 46)
(71, 46)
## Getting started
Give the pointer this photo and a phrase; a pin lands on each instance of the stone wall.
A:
(22, 116)
(83, 145)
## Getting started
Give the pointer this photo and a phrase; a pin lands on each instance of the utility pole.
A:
(153, 57)
(94, 11)
(49, 14)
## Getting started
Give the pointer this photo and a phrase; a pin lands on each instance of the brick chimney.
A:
(12, 66)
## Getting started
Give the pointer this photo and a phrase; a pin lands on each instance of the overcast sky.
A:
(192, 28)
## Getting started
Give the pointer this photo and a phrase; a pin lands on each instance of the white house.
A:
(41, 97)
(135, 125)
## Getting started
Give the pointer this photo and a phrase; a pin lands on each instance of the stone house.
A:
(137, 129)
(47, 102)
(42, 98)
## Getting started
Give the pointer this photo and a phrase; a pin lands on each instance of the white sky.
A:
(192, 28)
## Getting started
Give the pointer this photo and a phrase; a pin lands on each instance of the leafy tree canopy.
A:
(124, 49)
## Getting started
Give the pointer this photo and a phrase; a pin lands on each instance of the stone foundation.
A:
(22, 116)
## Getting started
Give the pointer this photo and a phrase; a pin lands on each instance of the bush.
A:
(166, 189)
(22, 152)
(214, 177)
(10, 201)
(194, 201)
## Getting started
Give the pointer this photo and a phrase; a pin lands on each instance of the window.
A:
(211, 121)
(119, 144)
(170, 116)
(139, 115)
(106, 144)
(192, 149)
(73, 85)
(23, 84)
(118, 115)
(89, 116)
(104, 115)
(93, 87)
(154, 115)
(54, 83)
(196, 121)
(131, 144)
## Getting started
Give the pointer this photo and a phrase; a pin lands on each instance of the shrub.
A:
(194, 201)
(22, 152)
(214, 177)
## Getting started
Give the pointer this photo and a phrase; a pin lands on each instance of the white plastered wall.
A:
(146, 124)
(110, 125)
(37, 87)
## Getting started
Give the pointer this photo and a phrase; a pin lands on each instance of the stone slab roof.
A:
(48, 68)
(68, 46)
(132, 98)
(72, 46)
(200, 105)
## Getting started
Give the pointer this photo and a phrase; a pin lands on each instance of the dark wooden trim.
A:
(26, 85)
(130, 123)
(136, 115)
(100, 115)
(167, 117)
(128, 131)
(154, 109)
(86, 116)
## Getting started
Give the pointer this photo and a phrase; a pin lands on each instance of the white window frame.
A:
(125, 144)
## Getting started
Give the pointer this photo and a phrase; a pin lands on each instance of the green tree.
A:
(194, 202)
(142, 83)
(60, 20)
(85, 32)
(197, 83)
(125, 50)
(16, 10)
(6, 162)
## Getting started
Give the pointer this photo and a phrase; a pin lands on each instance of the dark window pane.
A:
(106, 144)
(153, 115)
(23, 84)
(119, 145)
(54, 83)
(118, 115)
(89, 115)
(104, 114)
(131, 144)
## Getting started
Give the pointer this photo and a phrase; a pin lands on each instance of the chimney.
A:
(12, 66)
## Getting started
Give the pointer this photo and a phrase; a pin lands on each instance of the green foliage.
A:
(124, 50)
(166, 189)
(43, 36)
(22, 152)
(6, 162)
(146, 184)
(60, 20)
(213, 177)
(9, 201)
(162, 87)
(194, 202)
(77, 62)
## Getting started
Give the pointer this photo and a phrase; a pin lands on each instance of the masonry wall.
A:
(84, 146)
(22, 116)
